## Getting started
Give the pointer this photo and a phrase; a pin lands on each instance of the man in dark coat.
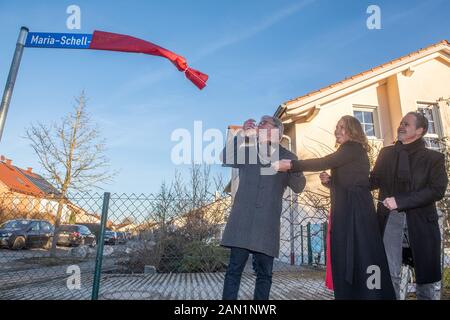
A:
(410, 179)
(254, 222)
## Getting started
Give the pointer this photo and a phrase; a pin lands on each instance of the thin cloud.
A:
(402, 15)
(147, 79)
(252, 31)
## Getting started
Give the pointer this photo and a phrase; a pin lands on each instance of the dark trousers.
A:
(238, 260)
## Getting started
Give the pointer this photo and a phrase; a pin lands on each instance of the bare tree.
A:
(186, 211)
(164, 212)
(72, 154)
(205, 210)
(127, 221)
(195, 205)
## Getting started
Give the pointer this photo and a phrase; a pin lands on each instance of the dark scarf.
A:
(403, 172)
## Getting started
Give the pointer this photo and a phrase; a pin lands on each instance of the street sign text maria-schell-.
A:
(58, 40)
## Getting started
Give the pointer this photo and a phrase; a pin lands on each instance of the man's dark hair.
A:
(421, 122)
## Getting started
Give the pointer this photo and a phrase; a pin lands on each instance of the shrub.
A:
(446, 283)
(202, 257)
(175, 254)
(171, 251)
(140, 258)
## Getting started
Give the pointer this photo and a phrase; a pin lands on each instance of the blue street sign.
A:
(58, 40)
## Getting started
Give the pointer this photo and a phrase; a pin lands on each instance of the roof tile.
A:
(16, 181)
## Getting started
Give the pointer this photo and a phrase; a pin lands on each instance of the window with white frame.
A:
(431, 112)
(369, 120)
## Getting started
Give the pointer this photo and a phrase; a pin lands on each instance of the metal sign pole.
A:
(12, 77)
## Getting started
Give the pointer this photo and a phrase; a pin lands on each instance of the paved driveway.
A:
(189, 286)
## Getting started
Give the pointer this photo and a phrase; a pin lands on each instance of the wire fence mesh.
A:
(30, 267)
(159, 247)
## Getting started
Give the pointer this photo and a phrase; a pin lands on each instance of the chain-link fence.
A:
(35, 261)
(156, 247)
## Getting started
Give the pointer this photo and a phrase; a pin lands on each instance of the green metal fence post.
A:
(308, 239)
(99, 258)
(301, 243)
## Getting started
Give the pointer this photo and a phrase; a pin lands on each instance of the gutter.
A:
(280, 110)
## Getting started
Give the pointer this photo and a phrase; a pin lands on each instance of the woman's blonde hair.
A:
(355, 131)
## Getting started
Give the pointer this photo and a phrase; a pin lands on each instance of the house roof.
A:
(16, 181)
(40, 182)
(442, 45)
(24, 181)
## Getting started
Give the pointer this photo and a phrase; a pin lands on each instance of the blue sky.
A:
(258, 54)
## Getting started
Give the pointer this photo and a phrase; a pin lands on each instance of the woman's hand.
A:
(325, 178)
(282, 165)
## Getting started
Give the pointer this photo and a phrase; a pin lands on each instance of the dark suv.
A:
(75, 235)
(26, 233)
(111, 237)
(121, 237)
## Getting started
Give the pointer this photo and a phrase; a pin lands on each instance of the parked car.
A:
(121, 237)
(111, 237)
(75, 235)
(128, 236)
(26, 233)
(93, 227)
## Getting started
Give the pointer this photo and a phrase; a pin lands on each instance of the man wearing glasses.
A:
(253, 226)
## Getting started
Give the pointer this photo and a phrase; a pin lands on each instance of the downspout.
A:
(291, 211)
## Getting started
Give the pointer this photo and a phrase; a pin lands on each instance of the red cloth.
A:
(328, 274)
(118, 42)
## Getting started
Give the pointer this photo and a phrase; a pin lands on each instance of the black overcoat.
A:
(429, 183)
(356, 244)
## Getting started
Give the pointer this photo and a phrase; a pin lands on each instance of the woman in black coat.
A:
(358, 260)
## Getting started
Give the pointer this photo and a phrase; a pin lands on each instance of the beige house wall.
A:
(14, 205)
(391, 97)
(429, 82)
